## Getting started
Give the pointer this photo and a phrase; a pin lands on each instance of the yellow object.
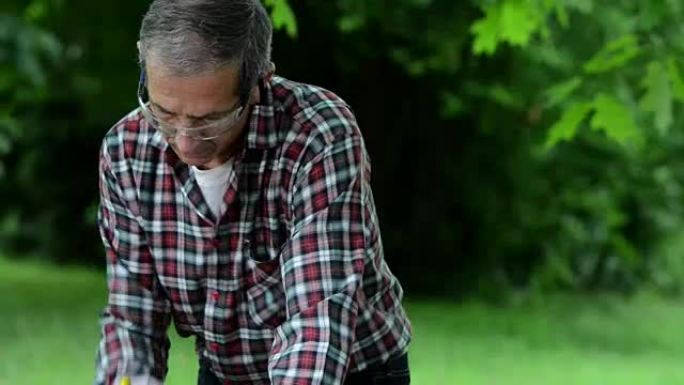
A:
(125, 380)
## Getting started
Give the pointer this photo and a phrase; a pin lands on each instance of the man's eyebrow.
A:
(162, 109)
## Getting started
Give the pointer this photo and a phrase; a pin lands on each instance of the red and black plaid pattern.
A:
(289, 286)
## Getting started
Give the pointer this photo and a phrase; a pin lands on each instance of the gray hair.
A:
(189, 37)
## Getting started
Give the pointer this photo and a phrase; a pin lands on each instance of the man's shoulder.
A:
(289, 93)
(318, 116)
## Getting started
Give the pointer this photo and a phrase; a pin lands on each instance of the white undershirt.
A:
(214, 184)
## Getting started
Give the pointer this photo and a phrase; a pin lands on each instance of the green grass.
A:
(49, 330)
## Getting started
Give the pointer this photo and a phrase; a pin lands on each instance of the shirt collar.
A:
(262, 131)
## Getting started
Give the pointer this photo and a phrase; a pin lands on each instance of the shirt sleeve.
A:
(322, 263)
(135, 320)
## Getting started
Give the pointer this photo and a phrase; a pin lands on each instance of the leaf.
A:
(675, 79)
(613, 55)
(505, 97)
(350, 23)
(512, 21)
(452, 105)
(36, 11)
(615, 120)
(486, 33)
(625, 250)
(282, 16)
(560, 92)
(519, 20)
(658, 96)
(5, 144)
(9, 126)
(583, 6)
(566, 127)
(562, 16)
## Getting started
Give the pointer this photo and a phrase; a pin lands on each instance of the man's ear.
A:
(254, 96)
(140, 59)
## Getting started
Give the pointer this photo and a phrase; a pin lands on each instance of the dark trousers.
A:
(393, 372)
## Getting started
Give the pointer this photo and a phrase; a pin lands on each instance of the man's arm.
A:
(134, 323)
(322, 263)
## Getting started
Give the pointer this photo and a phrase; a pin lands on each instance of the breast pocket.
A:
(265, 291)
(265, 294)
(266, 240)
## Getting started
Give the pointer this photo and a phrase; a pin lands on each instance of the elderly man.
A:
(238, 204)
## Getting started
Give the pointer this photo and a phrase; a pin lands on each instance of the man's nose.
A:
(185, 143)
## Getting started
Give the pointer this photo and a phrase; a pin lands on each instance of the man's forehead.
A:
(201, 94)
(218, 81)
(159, 68)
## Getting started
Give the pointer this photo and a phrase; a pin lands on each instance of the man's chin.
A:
(197, 161)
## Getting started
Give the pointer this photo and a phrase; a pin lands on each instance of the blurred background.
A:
(528, 170)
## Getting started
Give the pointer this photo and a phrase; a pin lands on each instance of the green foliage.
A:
(676, 79)
(614, 118)
(575, 101)
(658, 95)
(508, 21)
(613, 67)
(27, 53)
(282, 16)
(634, 52)
(566, 127)
(615, 54)
(515, 143)
(559, 93)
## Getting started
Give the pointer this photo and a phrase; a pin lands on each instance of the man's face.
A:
(194, 100)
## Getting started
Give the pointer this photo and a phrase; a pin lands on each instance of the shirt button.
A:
(247, 242)
(215, 295)
(214, 346)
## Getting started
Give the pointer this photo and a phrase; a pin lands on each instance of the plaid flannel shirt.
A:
(289, 286)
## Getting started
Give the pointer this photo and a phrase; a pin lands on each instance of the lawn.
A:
(49, 333)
